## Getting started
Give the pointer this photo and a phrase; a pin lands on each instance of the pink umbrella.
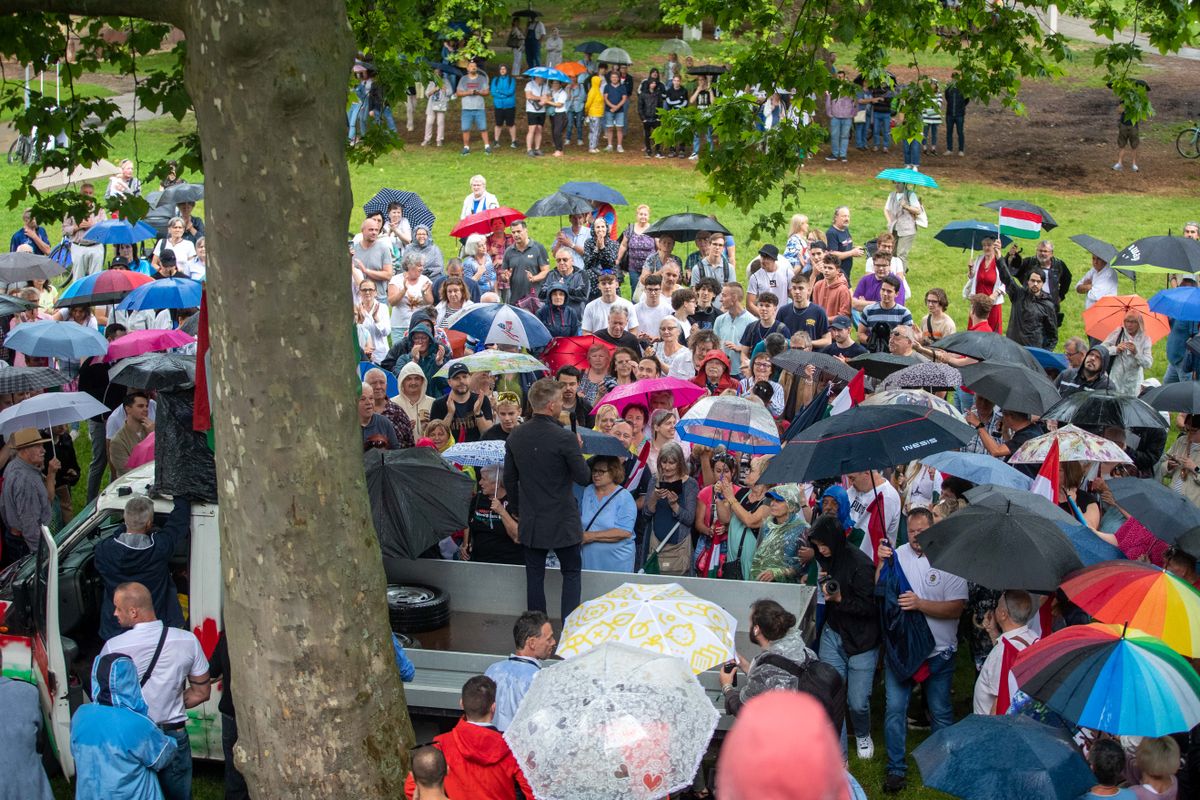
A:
(682, 393)
(135, 343)
(142, 453)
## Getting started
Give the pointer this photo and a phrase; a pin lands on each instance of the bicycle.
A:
(24, 149)
(1188, 141)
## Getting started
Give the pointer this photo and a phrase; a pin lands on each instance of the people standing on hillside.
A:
(956, 113)
(472, 89)
(504, 105)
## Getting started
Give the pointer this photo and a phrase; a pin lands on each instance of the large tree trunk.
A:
(321, 711)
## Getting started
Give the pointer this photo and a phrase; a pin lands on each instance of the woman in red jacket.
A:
(713, 374)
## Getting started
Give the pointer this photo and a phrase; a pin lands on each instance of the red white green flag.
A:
(1021, 224)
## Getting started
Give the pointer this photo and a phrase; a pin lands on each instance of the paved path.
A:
(1075, 28)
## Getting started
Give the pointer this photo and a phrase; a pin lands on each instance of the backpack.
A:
(817, 678)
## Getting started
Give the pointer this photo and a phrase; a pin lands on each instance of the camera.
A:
(829, 585)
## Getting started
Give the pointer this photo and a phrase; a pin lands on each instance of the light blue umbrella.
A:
(977, 468)
(487, 453)
(51, 408)
(49, 339)
(1090, 547)
(119, 231)
(910, 176)
(1181, 303)
(166, 293)
(547, 73)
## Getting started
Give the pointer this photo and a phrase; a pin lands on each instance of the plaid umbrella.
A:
(415, 210)
(929, 376)
(29, 379)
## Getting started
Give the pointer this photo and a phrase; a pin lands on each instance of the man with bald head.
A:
(429, 774)
(173, 672)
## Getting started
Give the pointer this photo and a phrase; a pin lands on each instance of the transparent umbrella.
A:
(617, 721)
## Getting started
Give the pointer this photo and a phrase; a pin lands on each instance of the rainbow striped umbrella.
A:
(1119, 681)
(1142, 596)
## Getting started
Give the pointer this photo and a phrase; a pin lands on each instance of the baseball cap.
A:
(119, 262)
(769, 251)
(842, 322)
(458, 369)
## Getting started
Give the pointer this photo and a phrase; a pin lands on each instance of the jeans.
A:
(859, 673)
(1176, 375)
(235, 784)
(912, 153)
(353, 121)
(175, 778)
(839, 135)
(860, 135)
(952, 124)
(895, 720)
(575, 125)
(696, 141)
(571, 564)
(882, 123)
(931, 134)
(99, 458)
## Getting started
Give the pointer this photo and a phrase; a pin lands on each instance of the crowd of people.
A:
(647, 315)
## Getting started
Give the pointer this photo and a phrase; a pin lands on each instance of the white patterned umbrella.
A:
(913, 397)
(664, 618)
(616, 722)
(487, 453)
(1074, 444)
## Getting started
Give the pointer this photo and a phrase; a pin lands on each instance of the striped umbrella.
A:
(415, 210)
(103, 287)
(1141, 596)
(1112, 679)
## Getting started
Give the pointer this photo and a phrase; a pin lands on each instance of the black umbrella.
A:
(591, 47)
(795, 361)
(708, 69)
(988, 346)
(1102, 409)
(1189, 542)
(1161, 511)
(1183, 397)
(191, 325)
(181, 193)
(1168, 252)
(154, 371)
(881, 365)
(991, 495)
(1102, 250)
(928, 376)
(447, 68)
(15, 267)
(595, 191)
(29, 379)
(866, 437)
(527, 12)
(1048, 222)
(559, 204)
(1011, 387)
(416, 499)
(596, 443)
(158, 217)
(682, 227)
(415, 210)
(1009, 548)
(14, 305)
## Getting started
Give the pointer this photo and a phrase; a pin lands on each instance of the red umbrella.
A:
(482, 222)
(572, 351)
(142, 453)
(135, 343)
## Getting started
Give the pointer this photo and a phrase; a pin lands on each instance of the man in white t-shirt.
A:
(174, 682)
(374, 256)
(873, 500)
(595, 313)
(940, 596)
(1008, 627)
(653, 308)
(1100, 281)
(774, 277)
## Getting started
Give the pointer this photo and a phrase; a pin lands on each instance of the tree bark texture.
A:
(321, 710)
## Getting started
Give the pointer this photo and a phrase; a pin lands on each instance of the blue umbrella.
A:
(596, 443)
(119, 231)
(986, 757)
(1090, 547)
(415, 210)
(1047, 359)
(968, 233)
(547, 73)
(910, 176)
(488, 453)
(596, 192)
(166, 293)
(1181, 303)
(496, 323)
(50, 339)
(393, 385)
(977, 468)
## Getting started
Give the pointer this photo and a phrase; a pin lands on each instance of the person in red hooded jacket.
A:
(713, 374)
(480, 764)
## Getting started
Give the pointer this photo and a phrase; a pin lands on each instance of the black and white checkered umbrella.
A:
(30, 379)
(415, 210)
(931, 377)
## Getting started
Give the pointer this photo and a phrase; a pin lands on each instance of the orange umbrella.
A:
(1108, 314)
(571, 69)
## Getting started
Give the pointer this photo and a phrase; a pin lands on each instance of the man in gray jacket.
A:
(542, 460)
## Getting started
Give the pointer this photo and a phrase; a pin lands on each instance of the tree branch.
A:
(173, 12)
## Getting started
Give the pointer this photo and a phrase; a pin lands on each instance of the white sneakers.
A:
(866, 748)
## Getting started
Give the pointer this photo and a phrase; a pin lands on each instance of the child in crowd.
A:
(1107, 761)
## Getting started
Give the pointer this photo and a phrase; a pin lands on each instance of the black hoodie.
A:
(1072, 380)
(856, 617)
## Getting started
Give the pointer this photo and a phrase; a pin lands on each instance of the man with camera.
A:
(850, 639)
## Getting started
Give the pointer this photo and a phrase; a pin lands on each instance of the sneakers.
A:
(594, 150)
(659, 155)
(579, 142)
(866, 747)
(620, 149)
(466, 151)
(693, 156)
(947, 153)
(1134, 167)
(885, 149)
(513, 145)
(530, 153)
(961, 154)
(649, 154)
(843, 159)
(487, 149)
(608, 149)
(894, 783)
(831, 158)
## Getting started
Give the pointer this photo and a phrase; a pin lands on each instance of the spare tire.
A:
(416, 608)
(406, 641)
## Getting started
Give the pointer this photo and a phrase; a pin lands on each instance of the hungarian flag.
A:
(1021, 224)
(1046, 482)
(852, 395)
